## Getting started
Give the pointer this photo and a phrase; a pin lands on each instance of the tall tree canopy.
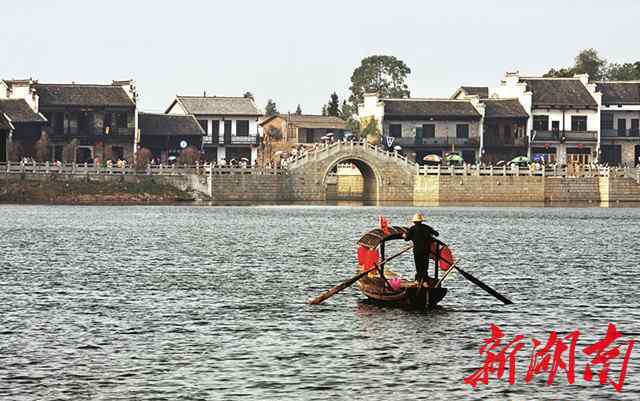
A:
(333, 107)
(385, 75)
(346, 111)
(298, 110)
(588, 61)
(624, 72)
(271, 109)
(248, 94)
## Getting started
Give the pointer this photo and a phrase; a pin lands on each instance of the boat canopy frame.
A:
(377, 238)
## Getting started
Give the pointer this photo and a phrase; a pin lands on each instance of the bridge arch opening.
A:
(352, 179)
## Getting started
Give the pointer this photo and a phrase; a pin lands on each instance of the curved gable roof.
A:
(18, 111)
(430, 108)
(83, 95)
(559, 92)
(504, 108)
(619, 92)
(169, 125)
(221, 106)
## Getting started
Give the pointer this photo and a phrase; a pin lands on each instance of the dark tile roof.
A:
(168, 124)
(425, 108)
(83, 95)
(559, 92)
(619, 92)
(481, 91)
(4, 124)
(19, 111)
(504, 108)
(220, 106)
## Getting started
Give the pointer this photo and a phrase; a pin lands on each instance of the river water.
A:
(180, 302)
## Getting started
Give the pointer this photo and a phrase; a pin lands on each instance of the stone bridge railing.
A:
(584, 171)
(155, 170)
(328, 150)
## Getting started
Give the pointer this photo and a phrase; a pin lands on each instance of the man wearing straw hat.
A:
(422, 236)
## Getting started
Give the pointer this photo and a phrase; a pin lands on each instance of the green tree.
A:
(385, 75)
(248, 95)
(298, 110)
(324, 109)
(353, 125)
(271, 109)
(346, 111)
(561, 73)
(333, 107)
(586, 62)
(624, 72)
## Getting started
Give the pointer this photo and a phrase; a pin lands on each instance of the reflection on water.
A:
(209, 302)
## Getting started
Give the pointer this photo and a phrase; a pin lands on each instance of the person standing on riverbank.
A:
(422, 236)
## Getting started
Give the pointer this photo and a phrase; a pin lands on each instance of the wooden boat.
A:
(375, 285)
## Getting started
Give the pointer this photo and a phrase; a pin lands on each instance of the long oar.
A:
(477, 282)
(484, 286)
(328, 294)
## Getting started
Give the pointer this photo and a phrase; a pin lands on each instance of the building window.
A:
(635, 127)
(215, 131)
(579, 123)
(428, 131)
(242, 128)
(71, 123)
(58, 123)
(622, 126)
(121, 120)
(606, 120)
(395, 130)
(203, 124)
(541, 123)
(462, 130)
(108, 122)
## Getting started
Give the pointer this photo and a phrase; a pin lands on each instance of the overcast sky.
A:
(301, 51)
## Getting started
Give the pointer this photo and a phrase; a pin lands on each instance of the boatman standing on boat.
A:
(422, 236)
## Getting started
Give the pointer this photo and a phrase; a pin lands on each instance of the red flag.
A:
(446, 257)
(383, 224)
(367, 257)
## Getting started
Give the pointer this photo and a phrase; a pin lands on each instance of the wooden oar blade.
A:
(485, 287)
(328, 294)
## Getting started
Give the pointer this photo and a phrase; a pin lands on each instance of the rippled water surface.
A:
(209, 302)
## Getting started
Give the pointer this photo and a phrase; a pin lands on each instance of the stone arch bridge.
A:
(387, 176)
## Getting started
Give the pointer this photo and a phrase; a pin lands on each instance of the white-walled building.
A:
(230, 124)
(620, 122)
(504, 125)
(428, 126)
(564, 115)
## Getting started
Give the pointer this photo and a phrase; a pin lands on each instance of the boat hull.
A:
(409, 296)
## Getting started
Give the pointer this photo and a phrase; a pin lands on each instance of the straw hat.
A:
(417, 217)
